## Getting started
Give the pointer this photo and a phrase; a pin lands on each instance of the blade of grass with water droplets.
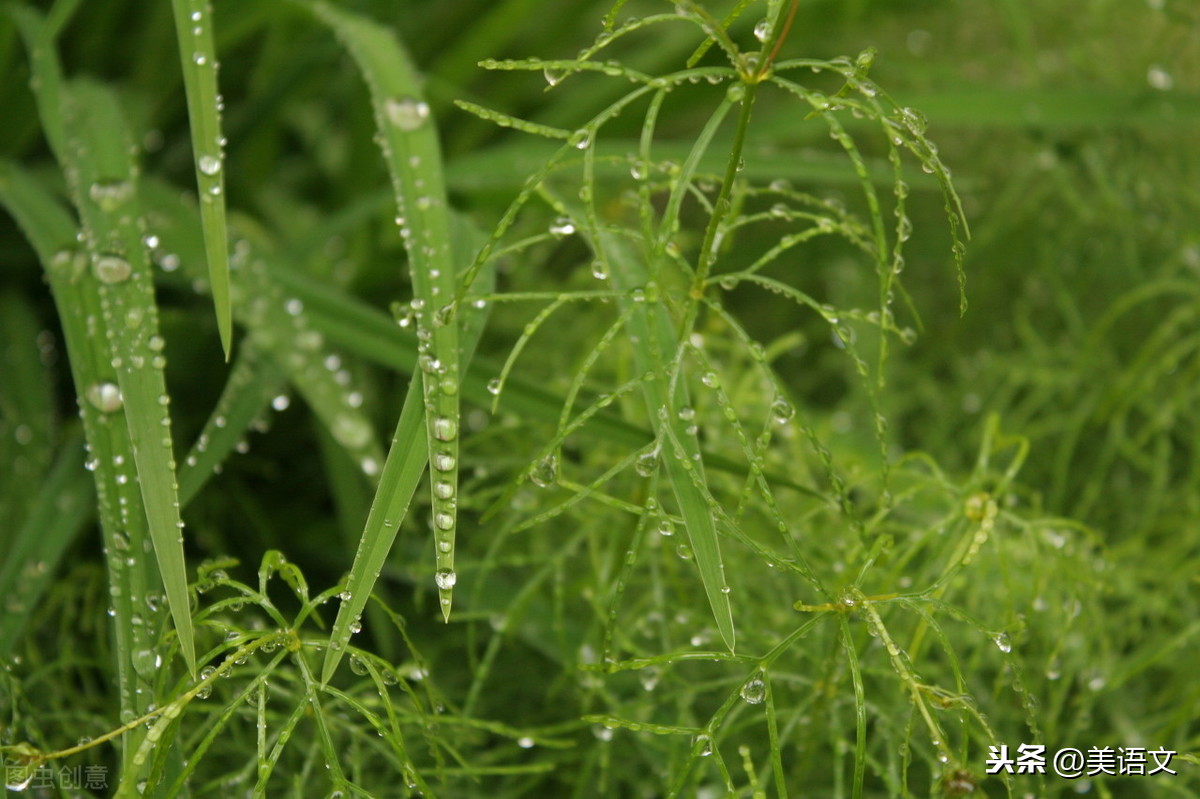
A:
(52, 233)
(198, 56)
(102, 177)
(410, 148)
(401, 473)
(653, 340)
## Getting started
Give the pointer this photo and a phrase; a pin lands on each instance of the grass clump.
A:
(620, 410)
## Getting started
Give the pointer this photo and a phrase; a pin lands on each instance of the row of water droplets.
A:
(133, 347)
(432, 312)
(209, 147)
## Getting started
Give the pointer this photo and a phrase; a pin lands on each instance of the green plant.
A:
(645, 524)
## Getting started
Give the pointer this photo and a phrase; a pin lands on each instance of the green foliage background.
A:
(992, 535)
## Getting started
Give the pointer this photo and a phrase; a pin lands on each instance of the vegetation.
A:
(657, 416)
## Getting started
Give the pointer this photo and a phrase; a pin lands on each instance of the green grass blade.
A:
(52, 233)
(412, 154)
(401, 472)
(103, 178)
(654, 341)
(198, 56)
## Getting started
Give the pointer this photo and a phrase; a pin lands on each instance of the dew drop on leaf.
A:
(112, 269)
(406, 113)
(754, 692)
(105, 397)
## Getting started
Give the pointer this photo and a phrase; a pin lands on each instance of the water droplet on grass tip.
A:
(112, 269)
(406, 113)
(445, 579)
(1002, 642)
(493, 386)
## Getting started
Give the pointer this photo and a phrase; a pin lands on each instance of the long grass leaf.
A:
(103, 178)
(401, 473)
(654, 343)
(412, 154)
(52, 233)
(198, 56)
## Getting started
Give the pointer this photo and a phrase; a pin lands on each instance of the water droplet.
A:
(445, 579)
(562, 226)
(1159, 78)
(711, 380)
(209, 164)
(762, 31)
(443, 489)
(445, 428)
(544, 473)
(105, 397)
(281, 402)
(355, 627)
(782, 411)
(582, 139)
(1002, 642)
(443, 521)
(406, 113)
(525, 742)
(112, 269)
(754, 692)
(493, 386)
(647, 462)
(703, 743)
(146, 662)
(666, 526)
(111, 194)
(552, 76)
(687, 413)
(444, 461)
